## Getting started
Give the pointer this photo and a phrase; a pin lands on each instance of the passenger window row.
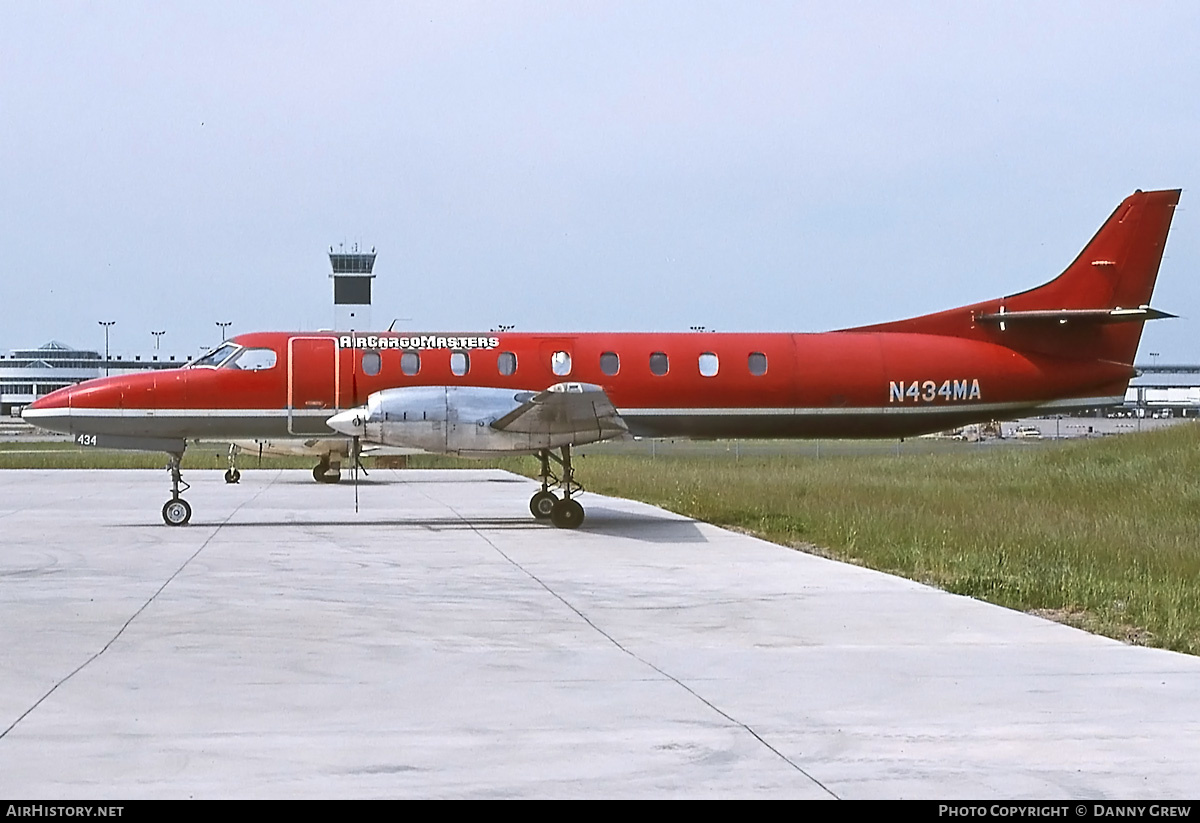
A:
(560, 363)
(708, 363)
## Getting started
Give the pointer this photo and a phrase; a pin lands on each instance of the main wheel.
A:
(232, 475)
(176, 512)
(542, 505)
(567, 514)
(320, 475)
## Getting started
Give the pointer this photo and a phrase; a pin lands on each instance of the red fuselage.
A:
(1067, 344)
(837, 384)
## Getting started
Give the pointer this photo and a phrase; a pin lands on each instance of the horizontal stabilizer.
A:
(1065, 316)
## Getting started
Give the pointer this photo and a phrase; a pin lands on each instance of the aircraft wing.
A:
(565, 408)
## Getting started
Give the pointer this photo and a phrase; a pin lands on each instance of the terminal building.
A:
(27, 374)
(1166, 389)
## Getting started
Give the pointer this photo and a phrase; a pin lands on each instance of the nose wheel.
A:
(177, 511)
(545, 504)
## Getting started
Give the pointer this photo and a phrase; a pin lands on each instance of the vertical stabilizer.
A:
(1085, 312)
(1118, 267)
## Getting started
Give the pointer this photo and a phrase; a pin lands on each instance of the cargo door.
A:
(313, 381)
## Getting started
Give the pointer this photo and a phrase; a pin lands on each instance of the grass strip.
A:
(1101, 534)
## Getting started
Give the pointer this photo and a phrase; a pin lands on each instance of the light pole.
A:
(106, 324)
(157, 336)
(223, 327)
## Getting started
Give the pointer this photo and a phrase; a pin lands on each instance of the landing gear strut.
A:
(176, 511)
(327, 472)
(232, 475)
(542, 503)
(545, 505)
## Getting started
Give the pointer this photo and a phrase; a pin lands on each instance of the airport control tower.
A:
(352, 276)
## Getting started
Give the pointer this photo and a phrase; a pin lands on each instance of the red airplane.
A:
(1067, 344)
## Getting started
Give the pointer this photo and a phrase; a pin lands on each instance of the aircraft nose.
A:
(52, 412)
(50, 401)
(352, 422)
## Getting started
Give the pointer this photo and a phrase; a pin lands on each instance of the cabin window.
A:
(372, 363)
(560, 363)
(757, 363)
(708, 364)
(460, 364)
(658, 363)
(506, 363)
(610, 364)
(410, 363)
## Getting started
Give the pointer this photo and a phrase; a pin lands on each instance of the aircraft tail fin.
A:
(1118, 267)
(1095, 309)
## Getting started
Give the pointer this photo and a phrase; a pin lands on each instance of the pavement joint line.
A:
(635, 655)
(140, 609)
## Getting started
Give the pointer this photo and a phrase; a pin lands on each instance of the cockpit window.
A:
(252, 360)
(217, 356)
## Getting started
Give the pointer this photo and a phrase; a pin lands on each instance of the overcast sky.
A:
(578, 165)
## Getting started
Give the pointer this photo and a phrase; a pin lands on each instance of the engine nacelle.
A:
(476, 421)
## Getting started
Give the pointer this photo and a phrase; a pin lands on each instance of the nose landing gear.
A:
(176, 511)
(545, 504)
(232, 475)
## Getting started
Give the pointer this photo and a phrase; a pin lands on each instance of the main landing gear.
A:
(176, 511)
(545, 504)
(327, 471)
